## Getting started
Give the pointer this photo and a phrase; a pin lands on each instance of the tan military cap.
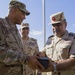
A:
(20, 5)
(24, 25)
(57, 18)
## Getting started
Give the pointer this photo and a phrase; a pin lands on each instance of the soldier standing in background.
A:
(12, 56)
(30, 46)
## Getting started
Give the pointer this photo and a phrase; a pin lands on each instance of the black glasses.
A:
(26, 28)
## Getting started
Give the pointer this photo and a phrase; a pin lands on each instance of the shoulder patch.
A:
(50, 36)
(72, 34)
(33, 39)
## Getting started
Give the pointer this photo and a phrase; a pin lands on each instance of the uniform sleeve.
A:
(8, 55)
(49, 39)
(47, 44)
(36, 46)
(72, 49)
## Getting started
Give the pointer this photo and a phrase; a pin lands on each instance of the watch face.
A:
(44, 61)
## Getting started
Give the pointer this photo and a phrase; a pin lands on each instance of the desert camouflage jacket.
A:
(12, 56)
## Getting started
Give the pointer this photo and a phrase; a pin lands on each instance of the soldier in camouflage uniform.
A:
(60, 48)
(12, 56)
(30, 46)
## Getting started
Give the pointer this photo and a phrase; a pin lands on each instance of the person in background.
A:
(30, 46)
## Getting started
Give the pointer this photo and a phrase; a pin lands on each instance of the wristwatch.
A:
(55, 67)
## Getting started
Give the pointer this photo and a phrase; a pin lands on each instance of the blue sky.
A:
(35, 19)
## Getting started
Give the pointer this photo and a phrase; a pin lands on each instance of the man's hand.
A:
(34, 63)
(40, 54)
(50, 67)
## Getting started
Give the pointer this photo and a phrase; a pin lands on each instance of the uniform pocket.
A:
(63, 50)
(49, 51)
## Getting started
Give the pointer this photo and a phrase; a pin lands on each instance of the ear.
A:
(15, 9)
(65, 24)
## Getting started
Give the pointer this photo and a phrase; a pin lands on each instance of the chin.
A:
(56, 34)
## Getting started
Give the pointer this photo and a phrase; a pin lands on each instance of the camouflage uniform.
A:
(59, 49)
(11, 50)
(30, 47)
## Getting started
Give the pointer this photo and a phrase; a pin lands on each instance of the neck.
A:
(11, 19)
(25, 37)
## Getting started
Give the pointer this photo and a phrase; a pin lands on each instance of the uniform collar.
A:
(65, 36)
(10, 23)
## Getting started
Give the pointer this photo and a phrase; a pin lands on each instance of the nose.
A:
(24, 16)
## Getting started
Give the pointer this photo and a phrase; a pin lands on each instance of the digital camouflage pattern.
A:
(12, 56)
(30, 47)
